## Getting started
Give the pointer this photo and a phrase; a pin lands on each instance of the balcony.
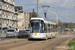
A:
(3, 7)
(14, 18)
(4, 17)
(4, 25)
(9, 17)
(10, 2)
(8, 9)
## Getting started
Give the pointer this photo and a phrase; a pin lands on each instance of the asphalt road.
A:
(50, 44)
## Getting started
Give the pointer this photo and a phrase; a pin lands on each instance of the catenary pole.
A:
(1, 18)
(37, 8)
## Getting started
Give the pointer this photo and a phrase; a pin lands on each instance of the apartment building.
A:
(23, 18)
(9, 17)
(26, 20)
(20, 23)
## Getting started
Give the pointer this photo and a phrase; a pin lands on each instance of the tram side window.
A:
(51, 28)
(45, 28)
(48, 25)
(42, 30)
(54, 28)
(48, 28)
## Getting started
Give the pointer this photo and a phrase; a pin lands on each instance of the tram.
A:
(42, 28)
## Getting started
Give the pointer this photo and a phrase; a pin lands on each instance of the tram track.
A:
(60, 43)
(63, 45)
(43, 45)
(36, 45)
(32, 44)
(54, 44)
(6, 47)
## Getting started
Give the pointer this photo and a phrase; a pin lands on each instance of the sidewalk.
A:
(11, 41)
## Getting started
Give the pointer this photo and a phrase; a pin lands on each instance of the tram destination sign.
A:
(35, 21)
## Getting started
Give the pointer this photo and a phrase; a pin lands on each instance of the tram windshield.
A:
(36, 26)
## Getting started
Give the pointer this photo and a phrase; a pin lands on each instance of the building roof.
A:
(18, 9)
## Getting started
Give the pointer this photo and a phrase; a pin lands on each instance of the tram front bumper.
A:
(37, 37)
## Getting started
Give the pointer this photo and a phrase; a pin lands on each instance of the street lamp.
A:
(56, 19)
(37, 9)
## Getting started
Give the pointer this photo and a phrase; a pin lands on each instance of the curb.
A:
(12, 42)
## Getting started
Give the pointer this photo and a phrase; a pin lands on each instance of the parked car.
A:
(27, 30)
(22, 33)
(11, 33)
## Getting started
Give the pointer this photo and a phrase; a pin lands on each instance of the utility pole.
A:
(45, 10)
(37, 9)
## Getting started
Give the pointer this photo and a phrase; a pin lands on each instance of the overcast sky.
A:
(65, 9)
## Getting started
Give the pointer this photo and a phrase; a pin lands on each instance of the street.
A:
(58, 43)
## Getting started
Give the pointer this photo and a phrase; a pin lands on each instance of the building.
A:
(9, 17)
(23, 18)
(33, 14)
(26, 20)
(21, 21)
(19, 10)
(28, 16)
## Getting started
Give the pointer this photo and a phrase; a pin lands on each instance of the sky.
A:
(63, 9)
